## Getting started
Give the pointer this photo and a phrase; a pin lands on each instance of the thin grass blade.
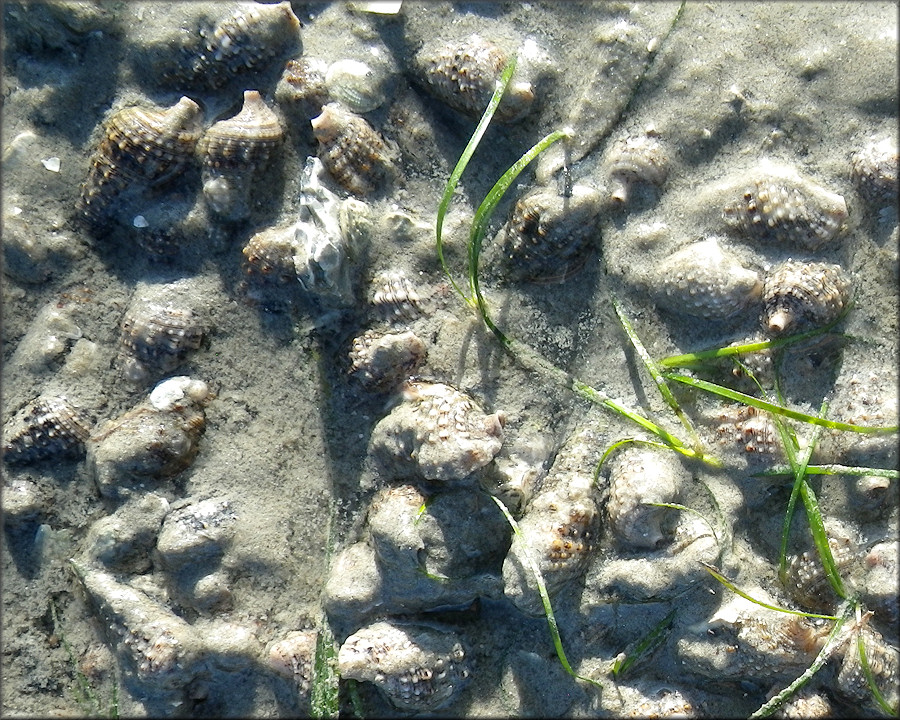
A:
(731, 586)
(725, 392)
(461, 164)
(483, 216)
(831, 644)
(647, 645)
(830, 469)
(660, 381)
(545, 598)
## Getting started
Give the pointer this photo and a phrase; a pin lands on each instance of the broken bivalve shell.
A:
(140, 148)
(463, 74)
(234, 152)
(799, 296)
(418, 667)
(355, 154)
(774, 203)
(50, 426)
(637, 478)
(705, 281)
(549, 236)
(360, 86)
(438, 433)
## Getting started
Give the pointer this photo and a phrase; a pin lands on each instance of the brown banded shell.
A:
(874, 170)
(549, 236)
(49, 426)
(352, 150)
(301, 91)
(395, 298)
(806, 580)
(234, 151)
(639, 477)
(638, 159)
(157, 334)
(703, 280)
(417, 666)
(884, 665)
(156, 439)
(242, 42)
(269, 254)
(141, 148)
(438, 433)
(799, 295)
(383, 361)
(463, 74)
(775, 203)
(559, 530)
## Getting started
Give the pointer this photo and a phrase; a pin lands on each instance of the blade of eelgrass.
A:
(831, 643)
(702, 356)
(685, 508)
(810, 503)
(725, 392)
(647, 644)
(867, 671)
(324, 702)
(830, 469)
(672, 442)
(545, 598)
(463, 161)
(731, 586)
(483, 216)
(660, 381)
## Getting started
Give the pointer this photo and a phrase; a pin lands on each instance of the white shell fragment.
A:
(51, 163)
(704, 281)
(417, 666)
(438, 433)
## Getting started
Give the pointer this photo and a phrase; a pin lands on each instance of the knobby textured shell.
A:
(463, 74)
(752, 430)
(775, 203)
(240, 43)
(301, 92)
(874, 170)
(805, 578)
(156, 439)
(884, 665)
(352, 150)
(559, 531)
(293, 657)
(395, 299)
(234, 151)
(49, 426)
(637, 478)
(549, 236)
(438, 433)
(417, 666)
(632, 160)
(157, 334)
(800, 295)
(141, 148)
(383, 361)
(704, 280)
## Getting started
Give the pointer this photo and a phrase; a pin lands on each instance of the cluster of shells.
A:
(432, 540)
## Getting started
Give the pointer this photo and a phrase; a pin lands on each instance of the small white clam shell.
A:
(360, 86)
